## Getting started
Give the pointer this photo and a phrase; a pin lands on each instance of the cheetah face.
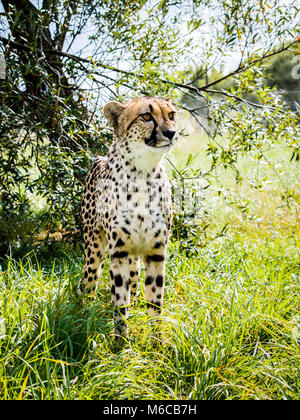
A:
(147, 122)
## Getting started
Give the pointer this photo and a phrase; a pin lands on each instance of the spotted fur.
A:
(126, 205)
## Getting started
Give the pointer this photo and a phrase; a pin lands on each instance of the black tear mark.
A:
(151, 141)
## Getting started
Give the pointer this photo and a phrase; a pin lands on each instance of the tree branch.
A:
(198, 90)
(246, 67)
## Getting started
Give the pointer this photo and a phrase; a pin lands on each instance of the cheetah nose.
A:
(169, 134)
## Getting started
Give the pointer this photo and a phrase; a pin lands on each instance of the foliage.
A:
(58, 78)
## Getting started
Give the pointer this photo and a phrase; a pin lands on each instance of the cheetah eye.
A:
(172, 115)
(147, 116)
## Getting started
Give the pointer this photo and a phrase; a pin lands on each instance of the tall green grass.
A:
(230, 328)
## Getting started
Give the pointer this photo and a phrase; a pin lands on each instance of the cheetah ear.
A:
(112, 111)
(170, 102)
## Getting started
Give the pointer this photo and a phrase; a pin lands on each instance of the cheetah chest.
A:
(135, 215)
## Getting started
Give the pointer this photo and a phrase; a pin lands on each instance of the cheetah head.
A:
(146, 123)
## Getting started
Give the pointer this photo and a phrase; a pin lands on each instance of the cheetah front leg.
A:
(120, 293)
(154, 281)
(95, 250)
(134, 274)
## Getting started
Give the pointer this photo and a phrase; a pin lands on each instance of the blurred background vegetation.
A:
(230, 66)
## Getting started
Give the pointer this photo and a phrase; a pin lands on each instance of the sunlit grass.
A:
(229, 329)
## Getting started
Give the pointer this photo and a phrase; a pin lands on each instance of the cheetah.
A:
(127, 208)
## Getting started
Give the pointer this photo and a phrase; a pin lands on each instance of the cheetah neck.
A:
(139, 158)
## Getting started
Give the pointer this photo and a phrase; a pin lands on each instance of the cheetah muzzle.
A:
(126, 205)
